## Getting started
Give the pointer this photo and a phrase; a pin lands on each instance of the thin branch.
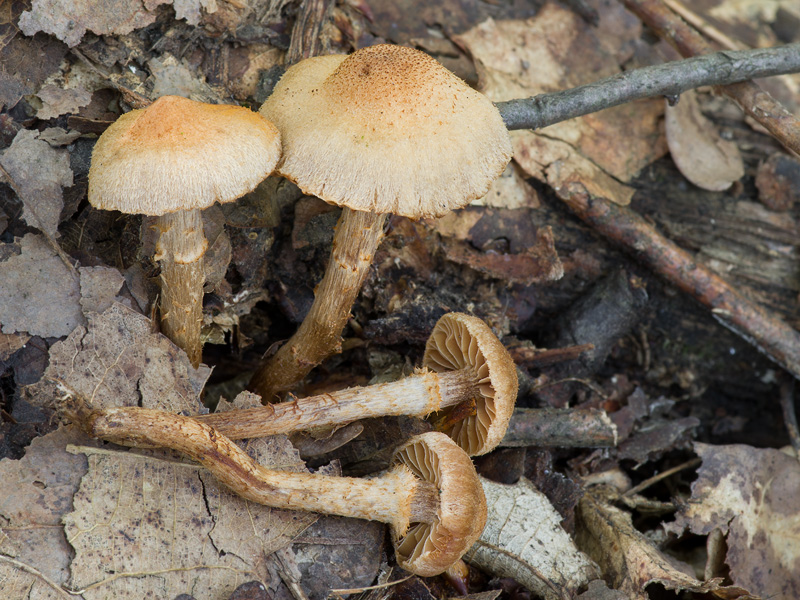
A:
(753, 100)
(755, 324)
(670, 79)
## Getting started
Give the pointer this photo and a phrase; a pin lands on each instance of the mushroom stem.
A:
(419, 394)
(180, 251)
(358, 235)
(396, 497)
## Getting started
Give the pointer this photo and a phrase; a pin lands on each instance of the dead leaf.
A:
(116, 360)
(57, 101)
(598, 150)
(37, 492)
(99, 287)
(523, 539)
(38, 173)
(148, 524)
(699, 152)
(751, 494)
(40, 294)
(58, 136)
(630, 562)
(69, 21)
(21, 76)
(11, 342)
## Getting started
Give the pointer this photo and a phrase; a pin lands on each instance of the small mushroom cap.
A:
(387, 129)
(428, 549)
(460, 341)
(178, 154)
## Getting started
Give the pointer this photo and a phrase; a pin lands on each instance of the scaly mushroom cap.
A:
(460, 341)
(179, 154)
(428, 549)
(387, 129)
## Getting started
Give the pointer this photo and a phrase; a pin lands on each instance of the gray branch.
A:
(670, 80)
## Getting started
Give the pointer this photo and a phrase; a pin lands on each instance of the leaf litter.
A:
(198, 537)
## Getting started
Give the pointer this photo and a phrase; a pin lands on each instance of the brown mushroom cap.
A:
(179, 154)
(460, 341)
(387, 129)
(428, 549)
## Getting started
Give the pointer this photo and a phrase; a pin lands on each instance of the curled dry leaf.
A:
(40, 294)
(523, 539)
(38, 173)
(630, 562)
(751, 494)
(699, 152)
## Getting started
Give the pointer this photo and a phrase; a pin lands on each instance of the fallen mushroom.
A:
(431, 496)
(469, 366)
(171, 160)
(385, 130)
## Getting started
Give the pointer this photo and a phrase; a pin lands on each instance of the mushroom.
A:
(470, 369)
(171, 160)
(385, 130)
(431, 496)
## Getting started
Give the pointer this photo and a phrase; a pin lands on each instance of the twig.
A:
(540, 357)
(689, 464)
(753, 100)
(752, 322)
(670, 79)
(789, 414)
(380, 586)
(562, 428)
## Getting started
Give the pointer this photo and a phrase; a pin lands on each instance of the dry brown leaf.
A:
(699, 152)
(99, 287)
(11, 342)
(523, 539)
(752, 495)
(148, 524)
(598, 150)
(37, 492)
(40, 294)
(115, 360)
(58, 100)
(38, 172)
(69, 21)
(630, 562)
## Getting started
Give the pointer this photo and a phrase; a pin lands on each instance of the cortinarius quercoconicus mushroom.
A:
(171, 160)
(468, 365)
(431, 496)
(385, 130)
